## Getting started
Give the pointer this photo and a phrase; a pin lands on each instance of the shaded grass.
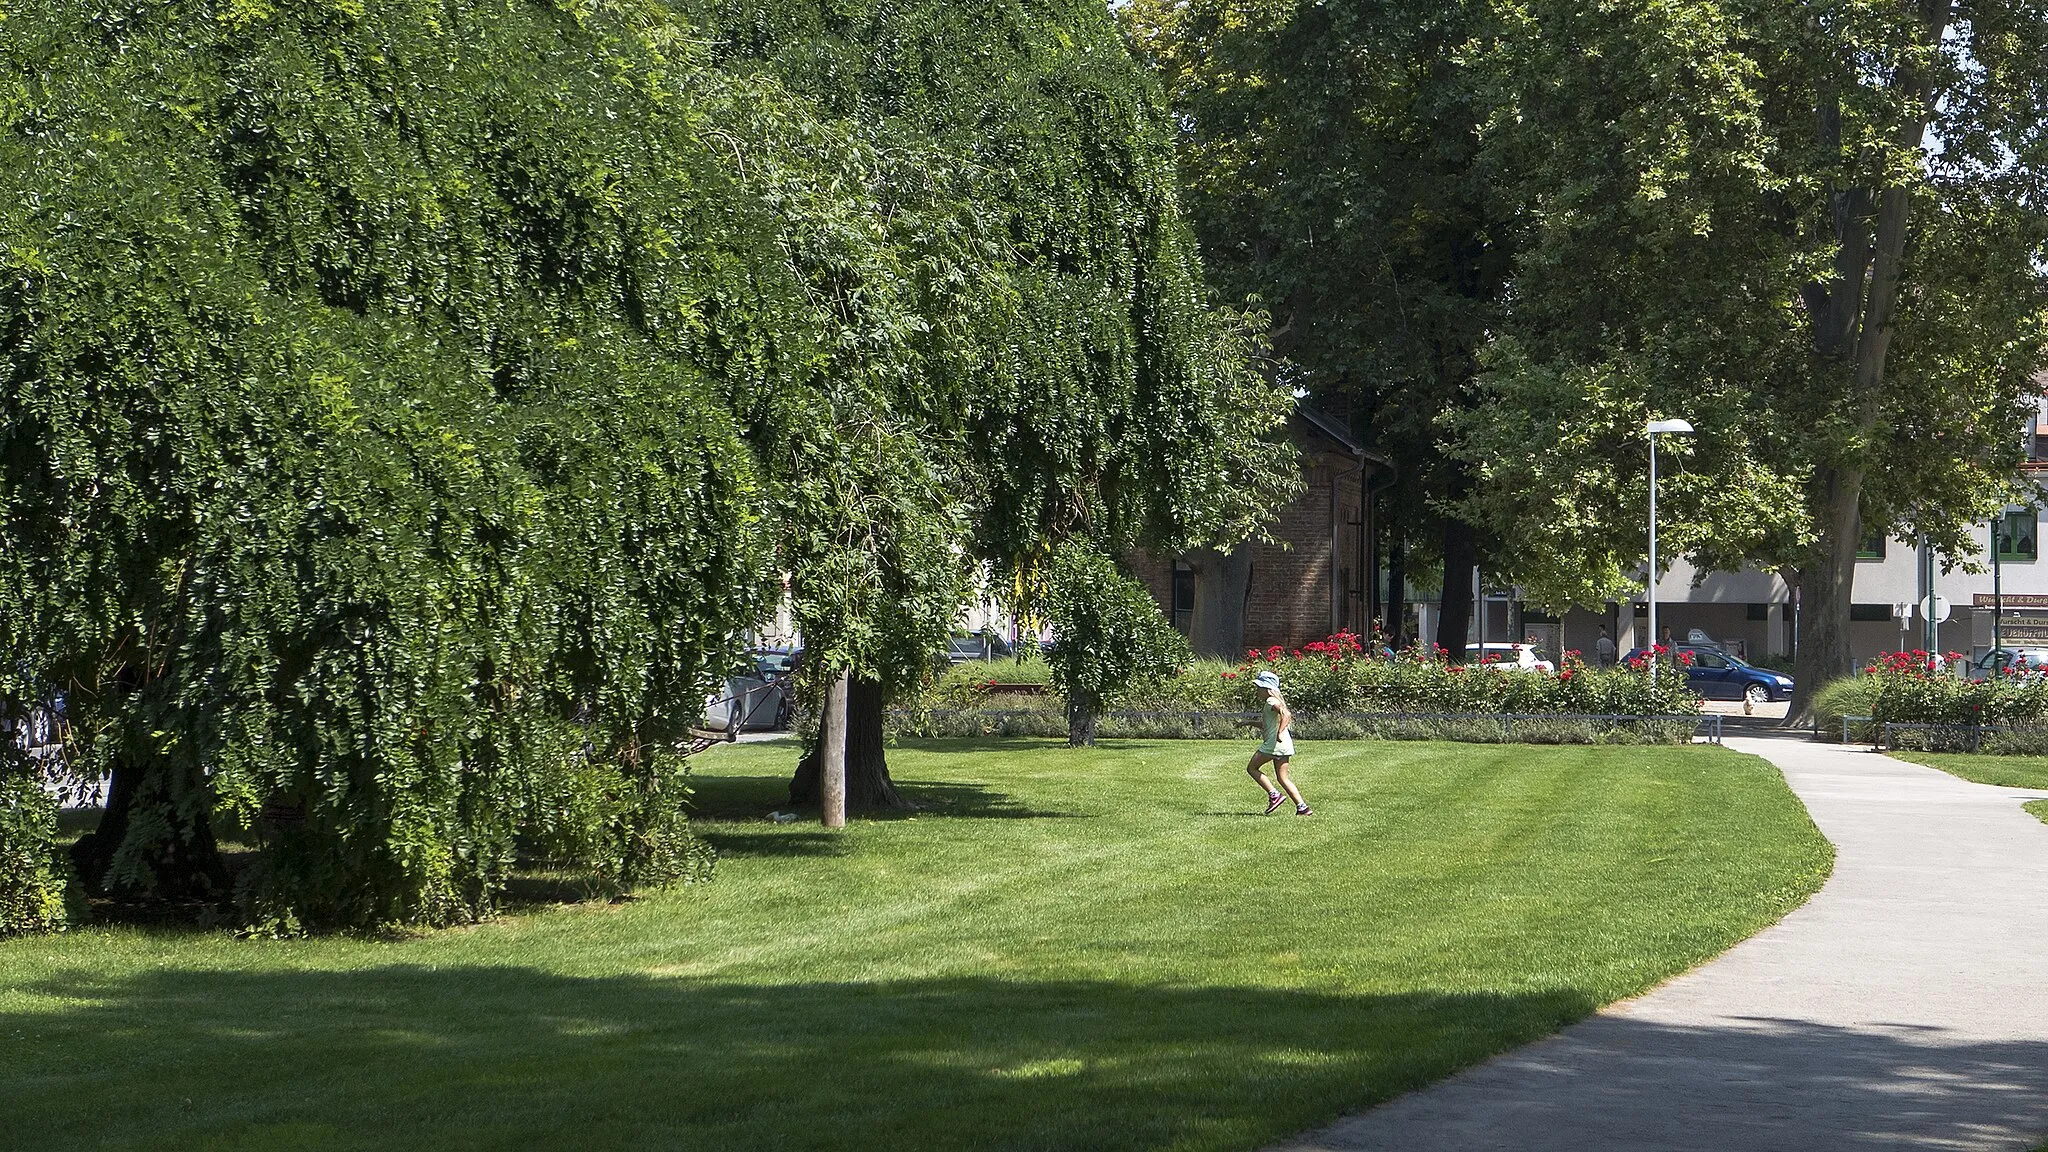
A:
(2003, 771)
(1102, 948)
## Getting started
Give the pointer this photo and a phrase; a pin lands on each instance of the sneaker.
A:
(1303, 810)
(1273, 803)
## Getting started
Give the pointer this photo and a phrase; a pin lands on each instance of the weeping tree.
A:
(1034, 352)
(380, 457)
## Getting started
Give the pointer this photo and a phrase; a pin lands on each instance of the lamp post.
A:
(1997, 595)
(1651, 430)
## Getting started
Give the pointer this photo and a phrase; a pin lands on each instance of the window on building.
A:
(2019, 535)
(1870, 613)
(1183, 596)
(1871, 547)
(1759, 611)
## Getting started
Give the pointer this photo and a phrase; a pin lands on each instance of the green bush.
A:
(1108, 635)
(32, 883)
(1908, 688)
(371, 373)
(1336, 674)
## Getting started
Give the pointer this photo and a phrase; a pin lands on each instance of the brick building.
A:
(1261, 594)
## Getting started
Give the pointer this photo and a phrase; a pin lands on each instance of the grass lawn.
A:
(1106, 949)
(2004, 771)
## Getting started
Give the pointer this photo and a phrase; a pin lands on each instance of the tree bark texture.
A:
(868, 785)
(1461, 556)
(1826, 587)
(1395, 624)
(1081, 720)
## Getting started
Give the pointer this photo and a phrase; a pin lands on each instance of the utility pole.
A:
(1997, 596)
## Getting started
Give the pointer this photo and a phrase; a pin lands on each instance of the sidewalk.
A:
(1904, 1007)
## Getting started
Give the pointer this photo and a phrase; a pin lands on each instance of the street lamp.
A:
(1651, 430)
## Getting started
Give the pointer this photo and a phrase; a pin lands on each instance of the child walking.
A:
(1278, 747)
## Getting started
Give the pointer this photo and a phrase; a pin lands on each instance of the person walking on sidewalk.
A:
(1278, 747)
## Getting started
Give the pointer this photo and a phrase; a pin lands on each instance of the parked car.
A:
(1522, 657)
(982, 646)
(1716, 675)
(1999, 660)
(752, 698)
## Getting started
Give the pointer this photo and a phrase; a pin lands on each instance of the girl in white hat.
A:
(1278, 747)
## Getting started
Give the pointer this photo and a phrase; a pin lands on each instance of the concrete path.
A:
(1904, 1007)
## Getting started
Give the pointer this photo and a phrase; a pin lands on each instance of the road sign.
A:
(1937, 611)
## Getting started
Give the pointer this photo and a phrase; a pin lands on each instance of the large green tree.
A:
(391, 401)
(1332, 157)
(1064, 374)
(1815, 230)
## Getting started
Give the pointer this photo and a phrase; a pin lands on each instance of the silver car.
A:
(2011, 660)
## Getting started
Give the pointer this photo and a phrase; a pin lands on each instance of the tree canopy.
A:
(410, 408)
(1815, 230)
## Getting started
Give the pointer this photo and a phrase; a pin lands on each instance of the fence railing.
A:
(1893, 735)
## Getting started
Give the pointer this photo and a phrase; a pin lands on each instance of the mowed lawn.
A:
(1102, 949)
(2004, 771)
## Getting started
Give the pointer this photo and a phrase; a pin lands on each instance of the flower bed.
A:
(1918, 687)
(1338, 690)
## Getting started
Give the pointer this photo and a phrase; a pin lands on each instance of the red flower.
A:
(1565, 675)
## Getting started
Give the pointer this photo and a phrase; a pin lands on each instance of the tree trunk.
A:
(1081, 719)
(1852, 317)
(173, 842)
(1221, 580)
(1395, 625)
(1461, 557)
(1827, 583)
(868, 786)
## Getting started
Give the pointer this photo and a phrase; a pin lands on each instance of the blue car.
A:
(1716, 675)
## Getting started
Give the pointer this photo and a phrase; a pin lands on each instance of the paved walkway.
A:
(1904, 1007)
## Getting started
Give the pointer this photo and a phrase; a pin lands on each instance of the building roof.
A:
(1333, 430)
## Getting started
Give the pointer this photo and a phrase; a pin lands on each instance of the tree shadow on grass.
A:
(513, 1057)
(730, 798)
(730, 842)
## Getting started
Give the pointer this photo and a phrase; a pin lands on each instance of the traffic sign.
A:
(1937, 611)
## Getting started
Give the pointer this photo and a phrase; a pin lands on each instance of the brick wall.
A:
(1289, 601)
(1156, 574)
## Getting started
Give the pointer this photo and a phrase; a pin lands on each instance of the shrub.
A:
(1337, 673)
(31, 876)
(1108, 635)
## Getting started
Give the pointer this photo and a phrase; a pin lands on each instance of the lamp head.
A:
(1656, 426)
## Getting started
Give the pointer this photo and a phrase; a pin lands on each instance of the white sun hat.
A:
(1267, 679)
